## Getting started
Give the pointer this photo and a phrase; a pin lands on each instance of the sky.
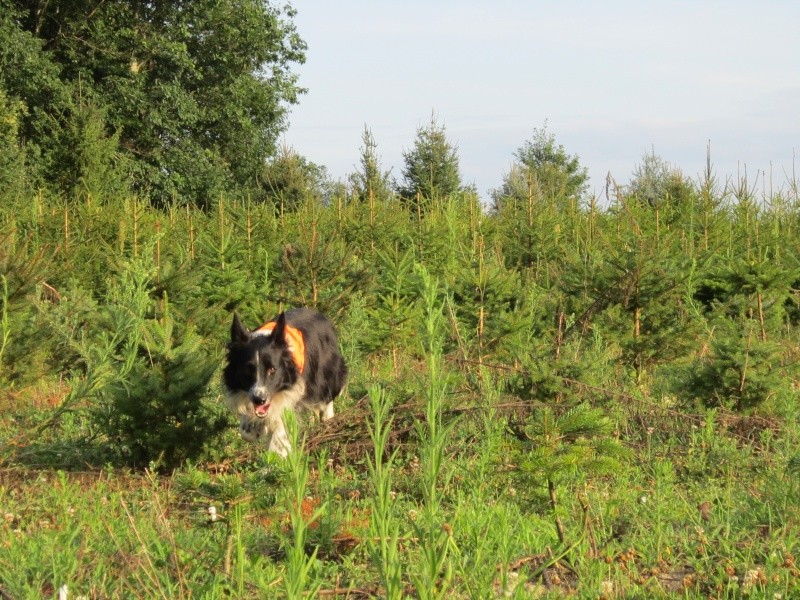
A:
(612, 81)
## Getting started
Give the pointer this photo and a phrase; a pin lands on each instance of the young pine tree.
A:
(371, 184)
(746, 362)
(431, 168)
(152, 408)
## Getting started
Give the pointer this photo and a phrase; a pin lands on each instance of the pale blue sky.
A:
(613, 79)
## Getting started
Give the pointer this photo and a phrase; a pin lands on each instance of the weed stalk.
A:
(298, 580)
(435, 538)
(233, 542)
(384, 530)
(5, 327)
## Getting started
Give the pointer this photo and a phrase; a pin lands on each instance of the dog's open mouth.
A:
(261, 409)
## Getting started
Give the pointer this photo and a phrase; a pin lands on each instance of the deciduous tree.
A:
(542, 168)
(658, 184)
(196, 91)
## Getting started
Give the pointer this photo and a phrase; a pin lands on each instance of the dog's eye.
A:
(270, 371)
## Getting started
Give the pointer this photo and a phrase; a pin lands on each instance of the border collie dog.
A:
(291, 363)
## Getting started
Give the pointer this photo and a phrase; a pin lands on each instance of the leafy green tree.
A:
(658, 184)
(318, 268)
(741, 370)
(289, 180)
(542, 168)
(197, 92)
(431, 167)
(139, 373)
(85, 159)
(538, 206)
(13, 176)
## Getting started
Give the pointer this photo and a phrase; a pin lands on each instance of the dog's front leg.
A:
(279, 442)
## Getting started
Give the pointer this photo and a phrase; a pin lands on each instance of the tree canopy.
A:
(542, 168)
(290, 179)
(655, 182)
(431, 167)
(190, 96)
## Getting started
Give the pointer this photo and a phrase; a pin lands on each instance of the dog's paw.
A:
(252, 431)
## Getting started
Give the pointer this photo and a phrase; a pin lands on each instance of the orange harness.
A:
(294, 339)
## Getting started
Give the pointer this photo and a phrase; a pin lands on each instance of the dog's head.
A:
(260, 363)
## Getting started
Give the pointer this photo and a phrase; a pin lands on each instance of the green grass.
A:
(718, 517)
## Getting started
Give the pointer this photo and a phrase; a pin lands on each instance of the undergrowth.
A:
(545, 400)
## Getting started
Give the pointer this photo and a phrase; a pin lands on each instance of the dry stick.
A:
(371, 196)
(373, 593)
(171, 538)
(743, 378)
(707, 343)
(530, 201)
(117, 543)
(191, 232)
(481, 323)
(158, 252)
(135, 228)
(481, 308)
(226, 564)
(249, 229)
(66, 233)
(561, 556)
(51, 292)
(222, 232)
(551, 490)
(560, 334)
(589, 529)
(583, 320)
(658, 227)
(760, 301)
(311, 256)
(454, 324)
(328, 436)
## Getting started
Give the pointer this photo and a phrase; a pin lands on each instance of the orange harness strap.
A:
(294, 339)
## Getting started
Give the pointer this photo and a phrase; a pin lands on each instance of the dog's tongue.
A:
(261, 410)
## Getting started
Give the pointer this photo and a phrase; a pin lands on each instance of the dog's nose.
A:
(258, 400)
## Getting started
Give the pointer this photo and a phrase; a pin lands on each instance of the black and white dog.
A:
(291, 363)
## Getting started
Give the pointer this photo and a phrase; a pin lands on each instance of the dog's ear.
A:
(239, 332)
(279, 333)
